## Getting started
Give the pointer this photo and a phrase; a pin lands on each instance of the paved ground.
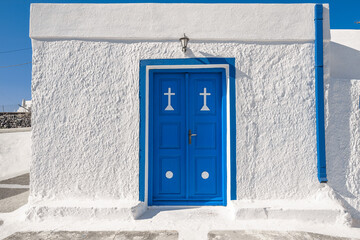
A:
(170, 235)
(131, 235)
(19, 180)
(261, 235)
(14, 193)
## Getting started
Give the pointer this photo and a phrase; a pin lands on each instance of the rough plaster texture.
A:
(342, 142)
(343, 117)
(15, 152)
(85, 143)
(276, 143)
(293, 22)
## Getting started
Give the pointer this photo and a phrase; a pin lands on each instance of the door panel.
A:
(206, 135)
(169, 141)
(170, 135)
(205, 176)
(205, 118)
(170, 181)
(184, 173)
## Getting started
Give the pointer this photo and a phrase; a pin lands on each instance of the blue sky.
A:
(15, 82)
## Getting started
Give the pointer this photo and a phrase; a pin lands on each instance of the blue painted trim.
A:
(142, 95)
(187, 124)
(319, 94)
(224, 134)
(190, 203)
(151, 146)
(232, 143)
(142, 98)
(186, 61)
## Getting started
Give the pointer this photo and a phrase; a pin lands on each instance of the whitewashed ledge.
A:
(13, 130)
(155, 21)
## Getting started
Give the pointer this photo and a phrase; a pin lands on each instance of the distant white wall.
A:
(345, 54)
(343, 129)
(15, 152)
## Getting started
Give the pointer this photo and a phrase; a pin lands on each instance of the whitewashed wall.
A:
(15, 152)
(87, 140)
(343, 131)
(86, 85)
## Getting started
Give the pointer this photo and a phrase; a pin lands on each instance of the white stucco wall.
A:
(90, 127)
(86, 139)
(343, 131)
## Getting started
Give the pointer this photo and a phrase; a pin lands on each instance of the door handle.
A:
(191, 135)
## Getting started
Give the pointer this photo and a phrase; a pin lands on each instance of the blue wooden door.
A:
(186, 141)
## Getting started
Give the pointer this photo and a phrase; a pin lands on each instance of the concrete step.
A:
(300, 210)
(75, 209)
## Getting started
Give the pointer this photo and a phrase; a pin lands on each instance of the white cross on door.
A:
(205, 94)
(169, 94)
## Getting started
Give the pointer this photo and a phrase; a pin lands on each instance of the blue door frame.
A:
(145, 65)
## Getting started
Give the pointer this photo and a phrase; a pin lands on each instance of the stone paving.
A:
(123, 235)
(14, 193)
(19, 180)
(271, 235)
(170, 235)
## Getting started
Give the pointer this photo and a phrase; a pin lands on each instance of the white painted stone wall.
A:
(15, 152)
(343, 131)
(86, 139)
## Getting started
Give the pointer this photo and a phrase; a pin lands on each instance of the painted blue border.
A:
(319, 93)
(142, 96)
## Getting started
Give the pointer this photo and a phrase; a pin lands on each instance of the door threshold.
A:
(180, 203)
(174, 212)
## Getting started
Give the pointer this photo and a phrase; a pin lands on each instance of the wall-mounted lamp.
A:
(184, 41)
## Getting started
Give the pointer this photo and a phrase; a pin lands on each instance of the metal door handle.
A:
(191, 135)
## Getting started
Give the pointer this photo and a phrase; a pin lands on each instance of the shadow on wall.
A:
(338, 132)
(338, 143)
(345, 62)
(239, 73)
(344, 69)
